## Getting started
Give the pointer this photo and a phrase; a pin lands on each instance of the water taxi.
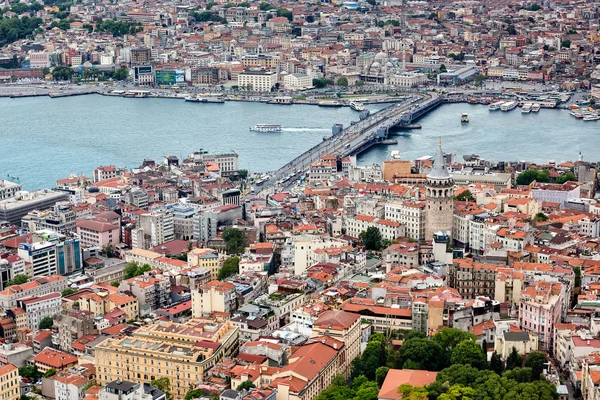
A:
(266, 128)
(591, 117)
(356, 106)
(535, 107)
(509, 105)
(464, 118)
(527, 107)
(495, 105)
(395, 155)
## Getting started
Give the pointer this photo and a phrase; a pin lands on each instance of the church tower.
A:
(439, 195)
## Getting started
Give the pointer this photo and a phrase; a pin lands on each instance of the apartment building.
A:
(37, 308)
(105, 172)
(259, 80)
(154, 228)
(95, 233)
(206, 258)
(38, 286)
(58, 360)
(152, 292)
(540, 309)
(214, 296)
(179, 352)
(390, 230)
(50, 253)
(410, 214)
(61, 219)
(345, 327)
(10, 382)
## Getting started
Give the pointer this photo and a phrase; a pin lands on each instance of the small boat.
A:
(394, 155)
(535, 107)
(464, 118)
(356, 106)
(330, 103)
(526, 109)
(591, 118)
(495, 105)
(266, 128)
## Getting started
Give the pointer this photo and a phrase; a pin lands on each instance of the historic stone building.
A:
(439, 197)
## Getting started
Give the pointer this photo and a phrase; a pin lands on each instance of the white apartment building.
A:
(410, 214)
(158, 225)
(303, 249)
(105, 172)
(37, 308)
(390, 230)
(8, 189)
(39, 286)
(257, 80)
(297, 81)
(213, 296)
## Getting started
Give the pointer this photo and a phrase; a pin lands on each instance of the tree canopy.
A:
(468, 352)
(230, 267)
(526, 177)
(245, 385)
(374, 356)
(234, 240)
(164, 385)
(464, 196)
(18, 280)
(68, 292)
(46, 323)
(371, 238)
(421, 353)
(536, 361)
(133, 269)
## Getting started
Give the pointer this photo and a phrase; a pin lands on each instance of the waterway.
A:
(43, 139)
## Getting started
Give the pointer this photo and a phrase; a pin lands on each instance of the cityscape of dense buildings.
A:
(443, 277)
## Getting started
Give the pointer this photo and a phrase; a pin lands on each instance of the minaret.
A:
(439, 195)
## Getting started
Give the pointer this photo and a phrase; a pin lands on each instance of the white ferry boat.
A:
(395, 155)
(509, 105)
(266, 128)
(356, 106)
(495, 106)
(535, 107)
(464, 118)
(527, 107)
(591, 118)
(204, 98)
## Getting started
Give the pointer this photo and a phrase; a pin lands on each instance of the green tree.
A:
(243, 173)
(133, 269)
(264, 6)
(284, 12)
(526, 177)
(45, 71)
(443, 68)
(566, 43)
(50, 372)
(514, 360)
(380, 374)
(468, 352)
(423, 352)
(62, 73)
(109, 250)
(121, 74)
(536, 361)
(540, 217)
(196, 394)
(30, 371)
(18, 280)
(410, 392)
(371, 238)
(569, 176)
(521, 375)
(342, 81)
(496, 363)
(115, 284)
(210, 5)
(46, 323)
(321, 82)
(68, 292)
(459, 392)
(234, 241)
(230, 267)
(246, 385)
(448, 339)
(480, 79)
(359, 83)
(164, 385)
(534, 7)
(464, 196)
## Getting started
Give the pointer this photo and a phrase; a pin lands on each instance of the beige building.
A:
(260, 80)
(179, 352)
(214, 296)
(345, 327)
(393, 167)
(10, 383)
(522, 341)
(206, 258)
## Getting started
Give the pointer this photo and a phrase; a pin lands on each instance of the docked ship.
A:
(535, 107)
(204, 98)
(266, 128)
(527, 107)
(464, 118)
(509, 105)
(356, 106)
(593, 117)
(495, 105)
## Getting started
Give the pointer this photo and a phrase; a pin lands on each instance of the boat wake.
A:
(305, 130)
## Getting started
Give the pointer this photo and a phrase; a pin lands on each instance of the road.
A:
(341, 144)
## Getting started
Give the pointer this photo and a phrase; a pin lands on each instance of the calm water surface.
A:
(43, 139)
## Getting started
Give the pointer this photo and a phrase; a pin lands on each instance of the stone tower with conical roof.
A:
(439, 195)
